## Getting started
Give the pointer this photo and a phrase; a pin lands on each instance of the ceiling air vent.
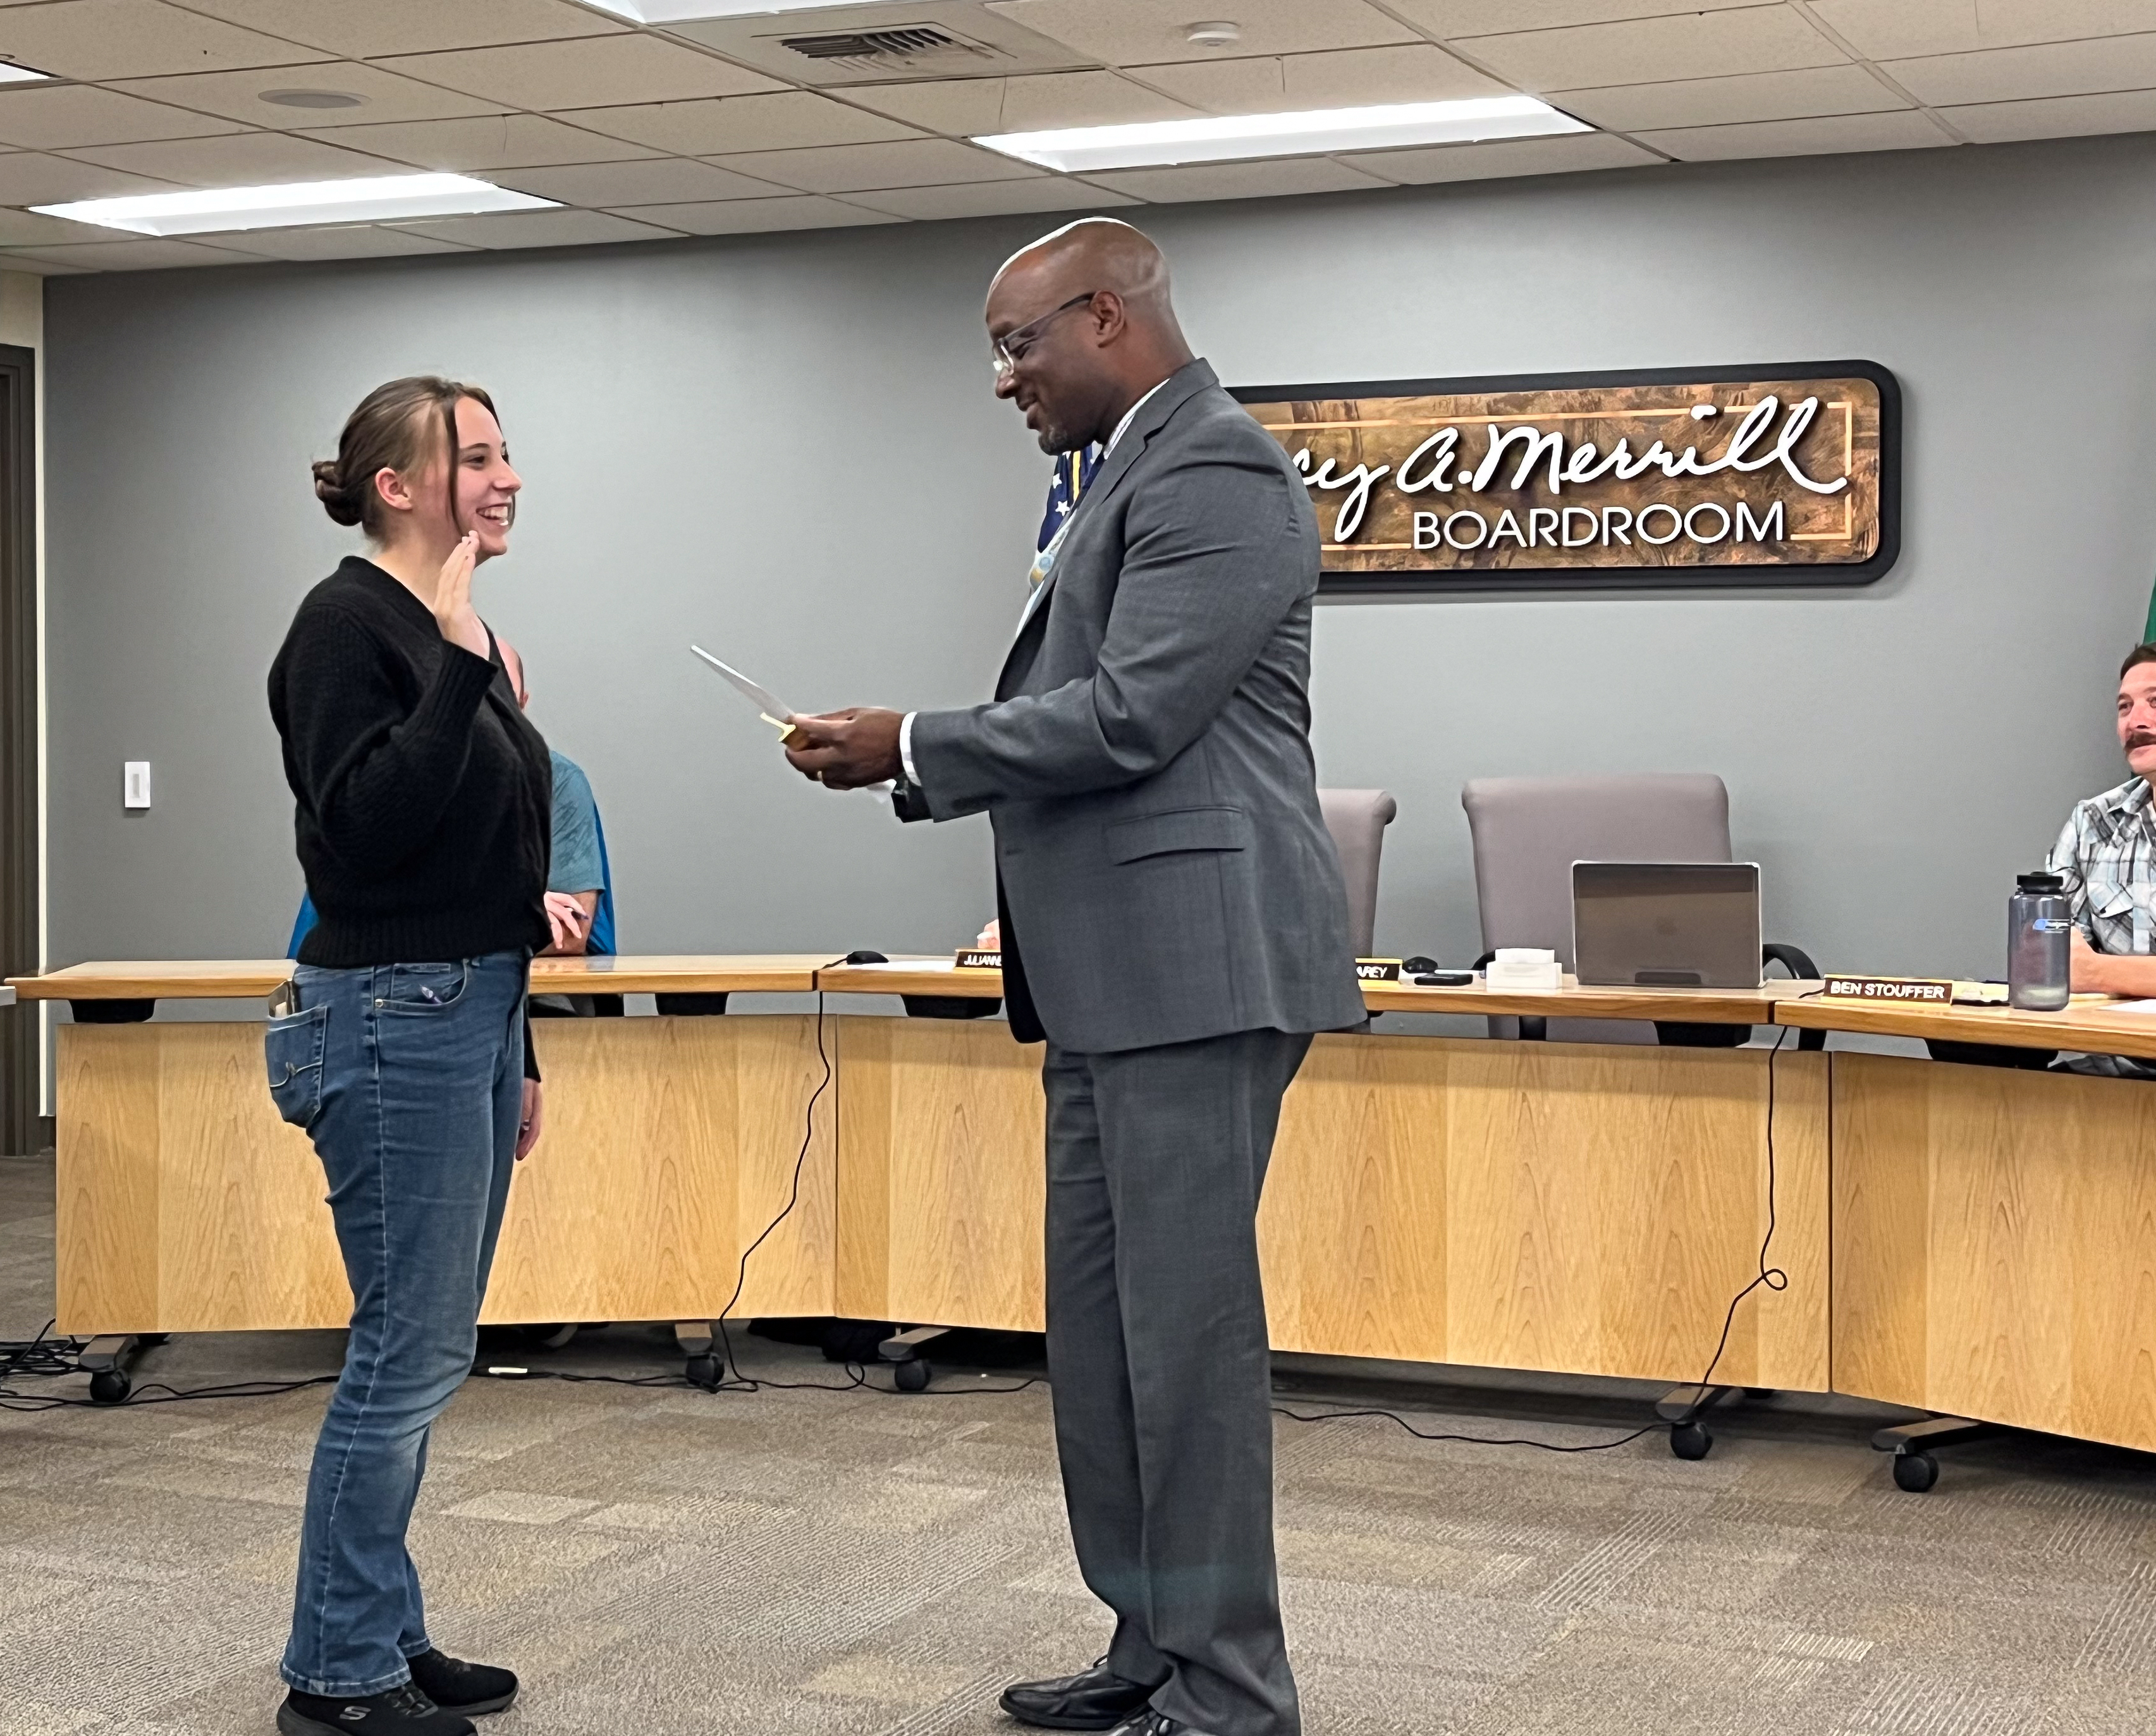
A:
(904, 48)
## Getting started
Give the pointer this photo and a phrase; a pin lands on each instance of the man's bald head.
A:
(1104, 253)
(1089, 326)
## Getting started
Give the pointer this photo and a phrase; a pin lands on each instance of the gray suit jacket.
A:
(1163, 871)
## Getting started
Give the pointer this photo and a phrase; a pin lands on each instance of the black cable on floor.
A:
(1772, 1277)
(46, 1358)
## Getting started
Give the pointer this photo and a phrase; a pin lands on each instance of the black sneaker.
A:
(403, 1711)
(472, 1689)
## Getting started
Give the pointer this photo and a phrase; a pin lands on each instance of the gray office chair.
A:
(1356, 819)
(1529, 832)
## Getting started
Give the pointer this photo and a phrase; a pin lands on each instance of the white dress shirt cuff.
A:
(906, 748)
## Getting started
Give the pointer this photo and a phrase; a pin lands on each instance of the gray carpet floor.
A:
(655, 1559)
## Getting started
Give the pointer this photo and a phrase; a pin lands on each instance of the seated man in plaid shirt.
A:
(2107, 855)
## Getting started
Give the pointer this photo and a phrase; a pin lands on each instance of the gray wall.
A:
(786, 448)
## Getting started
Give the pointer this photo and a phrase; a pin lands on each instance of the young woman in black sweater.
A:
(423, 821)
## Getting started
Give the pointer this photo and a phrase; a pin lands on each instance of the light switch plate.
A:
(135, 784)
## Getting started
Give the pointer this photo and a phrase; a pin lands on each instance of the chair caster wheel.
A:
(1689, 1440)
(1915, 1473)
(109, 1386)
(550, 1337)
(704, 1371)
(912, 1377)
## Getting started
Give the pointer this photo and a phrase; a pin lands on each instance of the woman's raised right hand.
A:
(454, 613)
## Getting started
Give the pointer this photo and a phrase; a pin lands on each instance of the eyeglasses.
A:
(1010, 351)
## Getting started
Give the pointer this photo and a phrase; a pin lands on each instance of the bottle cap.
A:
(2039, 883)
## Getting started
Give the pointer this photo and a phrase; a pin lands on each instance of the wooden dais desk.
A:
(1575, 1208)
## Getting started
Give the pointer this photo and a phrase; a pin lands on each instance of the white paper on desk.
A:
(910, 964)
(2129, 1006)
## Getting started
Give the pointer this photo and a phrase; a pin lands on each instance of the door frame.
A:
(23, 1130)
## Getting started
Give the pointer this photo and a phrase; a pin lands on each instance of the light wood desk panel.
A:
(1995, 1247)
(186, 1205)
(670, 1144)
(1570, 1208)
(942, 1184)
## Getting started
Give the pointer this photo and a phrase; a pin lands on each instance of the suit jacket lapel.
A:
(1193, 378)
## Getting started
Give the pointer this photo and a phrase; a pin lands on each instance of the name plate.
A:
(979, 959)
(1376, 970)
(1919, 991)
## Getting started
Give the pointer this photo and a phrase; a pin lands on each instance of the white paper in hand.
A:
(778, 715)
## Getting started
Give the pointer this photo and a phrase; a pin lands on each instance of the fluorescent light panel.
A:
(11, 73)
(678, 11)
(365, 200)
(1224, 137)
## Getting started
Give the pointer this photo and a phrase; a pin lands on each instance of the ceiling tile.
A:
(410, 27)
(1346, 78)
(584, 75)
(783, 120)
(1907, 130)
(1136, 33)
(1426, 165)
(536, 228)
(488, 142)
(1892, 29)
(40, 268)
(237, 95)
(858, 169)
(1238, 180)
(145, 253)
(2054, 118)
(27, 177)
(2065, 69)
(346, 241)
(991, 198)
(1758, 39)
(134, 39)
(1716, 102)
(964, 107)
(45, 117)
(750, 217)
(26, 229)
(247, 159)
(1452, 18)
(662, 181)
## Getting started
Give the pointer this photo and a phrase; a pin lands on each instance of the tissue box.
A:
(1524, 968)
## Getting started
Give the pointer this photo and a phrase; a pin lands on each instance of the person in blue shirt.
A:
(579, 881)
(579, 887)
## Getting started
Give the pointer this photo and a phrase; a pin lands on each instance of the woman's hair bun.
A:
(331, 490)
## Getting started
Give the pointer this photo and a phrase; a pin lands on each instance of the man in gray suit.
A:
(1174, 924)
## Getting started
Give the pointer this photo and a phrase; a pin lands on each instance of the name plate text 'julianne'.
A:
(1784, 474)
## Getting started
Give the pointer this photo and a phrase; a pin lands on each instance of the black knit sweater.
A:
(424, 796)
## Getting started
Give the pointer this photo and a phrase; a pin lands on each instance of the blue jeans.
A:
(409, 1078)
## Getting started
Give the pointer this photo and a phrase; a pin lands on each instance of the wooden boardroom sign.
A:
(1786, 474)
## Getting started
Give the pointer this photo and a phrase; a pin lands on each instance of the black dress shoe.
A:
(473, 1689)
(1095, 1699)
(403, 1711)
(1150, 1723)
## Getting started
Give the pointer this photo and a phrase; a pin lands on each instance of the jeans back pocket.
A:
(293, 1045)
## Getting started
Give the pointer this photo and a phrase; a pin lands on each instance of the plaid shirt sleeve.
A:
(2066, 862)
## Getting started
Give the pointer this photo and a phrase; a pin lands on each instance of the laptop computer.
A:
(1667, 925)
